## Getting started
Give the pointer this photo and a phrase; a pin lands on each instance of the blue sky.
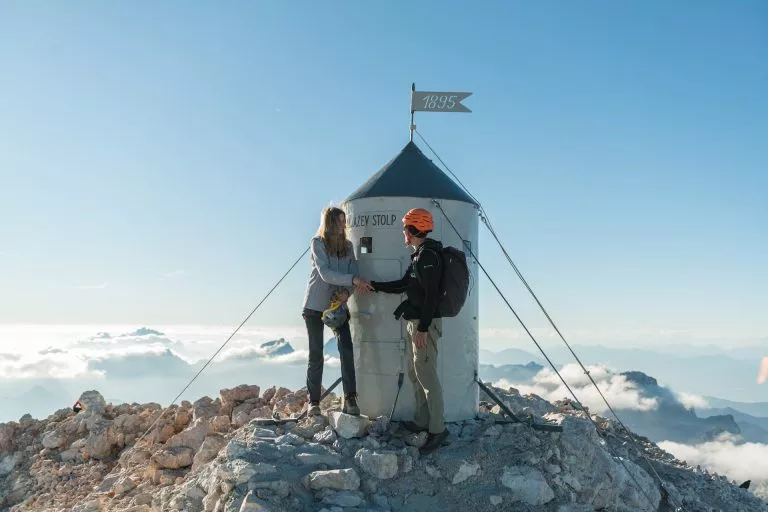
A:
(164, 163)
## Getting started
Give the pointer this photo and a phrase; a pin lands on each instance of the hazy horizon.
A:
(69, 352)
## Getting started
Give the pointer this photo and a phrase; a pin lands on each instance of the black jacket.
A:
(421, 283)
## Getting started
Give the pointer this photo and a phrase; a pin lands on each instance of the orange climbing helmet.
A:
(420, 219)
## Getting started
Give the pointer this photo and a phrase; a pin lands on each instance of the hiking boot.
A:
(412, 426)
(314, 409)
(350, 405)
(433, 442)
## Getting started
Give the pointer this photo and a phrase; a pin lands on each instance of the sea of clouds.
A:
(728, 455)
(44, 368)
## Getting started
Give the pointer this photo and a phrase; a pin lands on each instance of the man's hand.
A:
(420, 339)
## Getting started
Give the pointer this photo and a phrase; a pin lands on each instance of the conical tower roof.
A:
(411, 174)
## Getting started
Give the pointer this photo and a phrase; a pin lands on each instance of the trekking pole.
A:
(400, 375)
(399, 387)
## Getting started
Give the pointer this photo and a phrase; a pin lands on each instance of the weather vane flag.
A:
(431, 101)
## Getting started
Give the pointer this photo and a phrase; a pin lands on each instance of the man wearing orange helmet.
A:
(421, 283)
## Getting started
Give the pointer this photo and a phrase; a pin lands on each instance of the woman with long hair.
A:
(332, 280)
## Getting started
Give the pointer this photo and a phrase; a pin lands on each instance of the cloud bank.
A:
(725, 456)
(129, 364)
(690, 400)
(620, 393)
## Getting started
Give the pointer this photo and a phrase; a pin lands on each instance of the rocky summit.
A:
(245, 451)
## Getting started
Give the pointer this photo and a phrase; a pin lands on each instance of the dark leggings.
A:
(315, 327)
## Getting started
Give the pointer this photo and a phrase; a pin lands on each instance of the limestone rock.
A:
(292, 439)
(236, 449)
(281, 488)
(192, 437)
(240, 418)
(416, 439)
(327, 436)
(344, 499)
(123, 486)
(253, 504)
(278, 395)
(380, 425)
(6, 437)
(102, 440)
(245, 407)
(52, 440)
(165, 476)
(239, 472)
(240, 393)
(528, 485)
(348, 426)
(268, 395)
(93, 402)
(494, 431)
(381, 465)
(206, 408)
(8, 463)
(339, 479)
(88, 506)
(182, 418)
(308, 427)
(433, 471)
(466, 470)
(289, 404)
(175, 457)
(142, 499)
(381, 501)
(264, 433)
(208, 450)
(405, 463)
(263, 411)
(71, 455)
(328, 458)
(219, 424)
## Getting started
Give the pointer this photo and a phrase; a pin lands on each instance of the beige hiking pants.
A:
(422, 371)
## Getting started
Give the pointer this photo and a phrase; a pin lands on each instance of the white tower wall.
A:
(380, 340)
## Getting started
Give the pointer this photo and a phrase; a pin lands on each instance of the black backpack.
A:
(454, 283)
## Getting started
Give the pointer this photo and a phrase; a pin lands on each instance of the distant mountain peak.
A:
(331, 347)
(278, 347)
(144, 331)
(640, 378)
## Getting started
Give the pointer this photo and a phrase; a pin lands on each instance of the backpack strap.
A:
(418, 256)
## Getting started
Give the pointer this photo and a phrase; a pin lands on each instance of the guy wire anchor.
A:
(531, 422)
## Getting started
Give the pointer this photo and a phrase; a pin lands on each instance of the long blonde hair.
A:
(335, 240)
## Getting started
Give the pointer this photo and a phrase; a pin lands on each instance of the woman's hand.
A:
(363, 286)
